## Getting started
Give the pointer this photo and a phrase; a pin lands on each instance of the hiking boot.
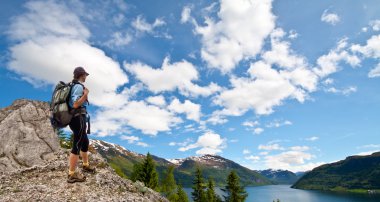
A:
(89, 169)
(76, 177)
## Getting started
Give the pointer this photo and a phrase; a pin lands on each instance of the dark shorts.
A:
(78, 126)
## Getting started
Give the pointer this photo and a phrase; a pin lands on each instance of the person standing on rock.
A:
(78, 102)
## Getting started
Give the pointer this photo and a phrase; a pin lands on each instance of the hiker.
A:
(78, 102)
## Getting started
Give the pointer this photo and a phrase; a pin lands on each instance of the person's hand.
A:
(85, 91)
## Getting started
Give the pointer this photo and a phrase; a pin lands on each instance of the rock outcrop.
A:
(34, 167)
(26, 135)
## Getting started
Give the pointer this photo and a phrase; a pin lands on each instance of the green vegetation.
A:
(168, 185)
(182, 196)
(356, 174)
(198, 193)
(146, 173)
(65, 140)
(235, 193)
(210, 193)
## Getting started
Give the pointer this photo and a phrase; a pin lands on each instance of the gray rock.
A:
(26, 135)
(34, 167)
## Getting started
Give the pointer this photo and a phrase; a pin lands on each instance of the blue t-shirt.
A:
(76, 93)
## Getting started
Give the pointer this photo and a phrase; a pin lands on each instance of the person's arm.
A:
(82, 99)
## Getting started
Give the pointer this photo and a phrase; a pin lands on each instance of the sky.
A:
(268, 84)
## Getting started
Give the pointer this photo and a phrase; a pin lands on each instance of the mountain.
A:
(33, 167)
(122, 160)
(280, 176)
(353, 173)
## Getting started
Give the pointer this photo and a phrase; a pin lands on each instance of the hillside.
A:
(279, 176)
(353, 173)
(122, 160)
(33, 167)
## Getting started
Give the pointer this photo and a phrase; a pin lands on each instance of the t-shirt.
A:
(76, 93)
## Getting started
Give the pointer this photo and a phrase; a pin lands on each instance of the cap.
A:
(78, 71)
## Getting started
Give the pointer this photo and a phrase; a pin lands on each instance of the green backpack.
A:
(61, 112)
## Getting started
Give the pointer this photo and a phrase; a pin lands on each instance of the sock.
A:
(71, 172)
(86, 164)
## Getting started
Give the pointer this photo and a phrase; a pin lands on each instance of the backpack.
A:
(61, 112)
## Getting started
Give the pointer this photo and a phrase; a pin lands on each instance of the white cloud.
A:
(278, 123)
(179, 75)
(158, 100)
(143, 144)
(239, 34)
(182, 144)
(293, 34)
(328, 81)
(118, 39)
(375, 72)
(209, 143)
(345, 91)
(130, 139)
(185, 15)
(367, 153)
(246, 151)
(258, 131)
(253, 158)
(142, 25)
(328, 64)
(264, 153)
(331, 18)
(314, 138)
(270, 147)
(375, 24)
(192, 110)
(49, 47)
(134, 114)
(250, 123)
(291, 160)
(265, 89)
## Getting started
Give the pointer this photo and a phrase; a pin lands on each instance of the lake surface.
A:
(287, 194)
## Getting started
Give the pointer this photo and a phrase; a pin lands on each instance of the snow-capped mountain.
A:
(217, 167)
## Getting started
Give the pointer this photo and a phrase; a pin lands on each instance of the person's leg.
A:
(77, 128)
(84, 158)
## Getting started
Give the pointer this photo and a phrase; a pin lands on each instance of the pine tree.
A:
(210, 193)
(146, 172)
(198, 193)
(235, 193)
(168, 185)
(181, 194)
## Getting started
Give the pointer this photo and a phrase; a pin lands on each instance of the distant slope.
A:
(122, 160)
(280, 176)
(355, 172)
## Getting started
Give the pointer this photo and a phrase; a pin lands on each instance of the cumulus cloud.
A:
(246, 151)
(130, 139)
(251, 123)
(239, 34)
(185, 15)
(119, 39)
(293, 160)
(158, 100)
(179, 75)
(375, 24)
(253, 158)
(48, 48)
(209, 143)
(330, 18)
(192, 110)
(329, 63)
(258, 131)
(134, 114)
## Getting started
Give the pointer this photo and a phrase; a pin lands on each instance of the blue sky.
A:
(268, 84)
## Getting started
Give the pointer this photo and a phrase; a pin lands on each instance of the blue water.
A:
(287, 194)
